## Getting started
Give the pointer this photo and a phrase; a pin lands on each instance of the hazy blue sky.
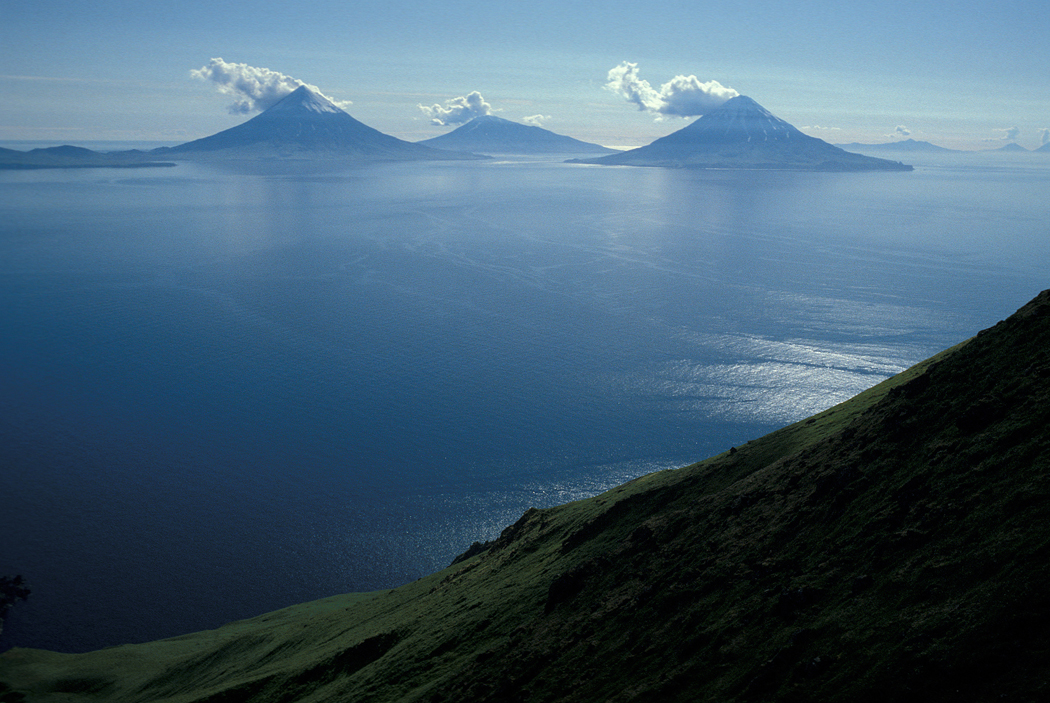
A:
(963, 73)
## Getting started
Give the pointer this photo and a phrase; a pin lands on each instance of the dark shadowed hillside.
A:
(895, 547)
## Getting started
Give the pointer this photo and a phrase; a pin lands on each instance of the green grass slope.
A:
(895, 547)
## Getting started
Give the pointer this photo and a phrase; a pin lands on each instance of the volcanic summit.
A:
(489, 134)
(741, 134)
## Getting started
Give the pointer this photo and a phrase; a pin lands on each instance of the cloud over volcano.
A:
(682, 96)
(458, 110)
(254, 89)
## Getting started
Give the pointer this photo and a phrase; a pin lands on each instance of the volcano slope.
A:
(895, 547)
(741, 134)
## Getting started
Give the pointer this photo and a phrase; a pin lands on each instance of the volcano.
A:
(489, 134)
(306, 125)
(741, 134)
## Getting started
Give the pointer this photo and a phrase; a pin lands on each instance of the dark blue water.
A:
(221, 393)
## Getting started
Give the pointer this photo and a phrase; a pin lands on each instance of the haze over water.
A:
(226, 393)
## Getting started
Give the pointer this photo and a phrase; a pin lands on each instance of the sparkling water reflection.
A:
(226, 393)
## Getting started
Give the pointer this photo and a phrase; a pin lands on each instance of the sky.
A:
(966, 74)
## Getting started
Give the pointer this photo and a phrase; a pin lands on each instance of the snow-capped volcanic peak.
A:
(744, 108)
(742, 117)
(302, 98)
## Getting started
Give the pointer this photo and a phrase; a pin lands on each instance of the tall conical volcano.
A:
(740, 133)
(488, 134)
(306, 125)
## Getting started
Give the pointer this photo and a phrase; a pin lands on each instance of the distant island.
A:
(1013, 147)
(915, 146)
(905, 145)
(489, 134)
(76, 157)
(741, 134)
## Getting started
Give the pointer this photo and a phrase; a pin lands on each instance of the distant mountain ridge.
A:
(913, 146)
(305, 125)
(67, 156)
(906, 145)
(741, 134)
(489, 134)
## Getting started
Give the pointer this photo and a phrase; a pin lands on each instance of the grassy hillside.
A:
(895, 547)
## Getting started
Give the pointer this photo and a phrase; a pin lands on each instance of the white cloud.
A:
(1044, 135)
(1009, 134)
(535, 120)
(458, 110)
(683, 96)
(900, 131)
(253, 88)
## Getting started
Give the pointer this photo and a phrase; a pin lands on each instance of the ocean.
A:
(225, 393)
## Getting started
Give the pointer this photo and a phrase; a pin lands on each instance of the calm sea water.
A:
(226, 393)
